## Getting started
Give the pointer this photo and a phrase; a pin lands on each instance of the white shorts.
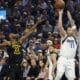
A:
(66, 66)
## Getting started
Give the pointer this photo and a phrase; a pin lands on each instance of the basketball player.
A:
(14, 49)
(66, 60)
(51, 56)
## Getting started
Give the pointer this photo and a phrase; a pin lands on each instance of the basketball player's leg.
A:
(60, 68)
(70, 70)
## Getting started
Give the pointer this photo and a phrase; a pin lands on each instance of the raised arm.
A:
(5, 43)
(72, 22)
(60, 26)
(27, 34)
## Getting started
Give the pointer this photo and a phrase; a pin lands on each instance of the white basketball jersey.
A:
(68, 47)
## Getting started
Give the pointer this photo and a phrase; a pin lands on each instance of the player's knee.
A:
(71, 78)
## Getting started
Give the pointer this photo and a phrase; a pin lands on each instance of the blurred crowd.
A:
(23, 14)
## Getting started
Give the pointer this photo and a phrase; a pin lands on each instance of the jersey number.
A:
(72, 44)
(16, 49)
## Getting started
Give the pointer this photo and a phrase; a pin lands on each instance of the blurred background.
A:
(17, 15)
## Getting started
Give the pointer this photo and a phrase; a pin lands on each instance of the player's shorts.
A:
(67, 66)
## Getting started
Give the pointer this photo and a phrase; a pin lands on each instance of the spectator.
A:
(34, 70)
(3, 69)
(41, 57)
(42, 73)
(30, 20)
(42, 4)
(25, 68)
(46, 29)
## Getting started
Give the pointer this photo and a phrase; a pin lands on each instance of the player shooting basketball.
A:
(66, 60)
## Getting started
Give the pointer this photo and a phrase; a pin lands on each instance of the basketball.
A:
(59, 4)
